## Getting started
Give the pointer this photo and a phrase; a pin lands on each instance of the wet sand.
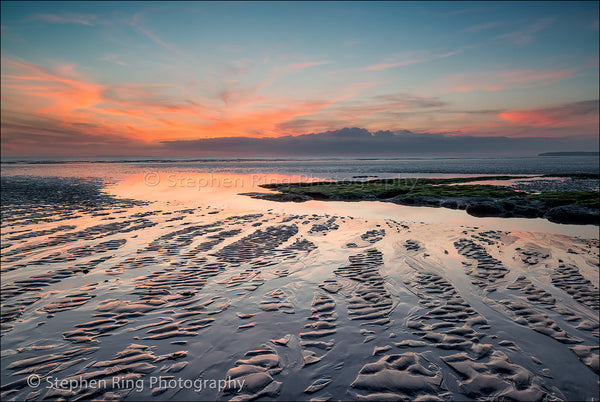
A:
(292, 306)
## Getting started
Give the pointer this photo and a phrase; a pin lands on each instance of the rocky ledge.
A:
(569, 207)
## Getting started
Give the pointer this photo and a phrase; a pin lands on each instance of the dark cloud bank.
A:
(359, 141)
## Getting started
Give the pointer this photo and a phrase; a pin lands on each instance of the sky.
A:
(165, 78)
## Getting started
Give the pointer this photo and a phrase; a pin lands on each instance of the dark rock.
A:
(282, 197)
(526, 211)
(485, 208)
(452, 204)
(574, 214)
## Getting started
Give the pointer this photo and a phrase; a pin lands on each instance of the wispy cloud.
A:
(113, 58)
(352, 43)
(460, 11)
(136, 22)
(482, 27)
(409, 58)
(525, 36)
(69, 18)
(501, 80)
(378, 112)
(293, 67)
(535, 78)
(9, 33)
(463, 11)
(243, 66)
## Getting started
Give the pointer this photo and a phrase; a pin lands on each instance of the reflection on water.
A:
(216, 189)
(219, 184)
(223, 190)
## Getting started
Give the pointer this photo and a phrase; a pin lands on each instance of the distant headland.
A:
(570, 154)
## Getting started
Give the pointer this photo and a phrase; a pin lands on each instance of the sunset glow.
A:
(123, 78)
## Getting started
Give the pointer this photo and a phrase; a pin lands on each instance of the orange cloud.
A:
(51, 93)
(532, 118)
(150, 113)
(96, 112)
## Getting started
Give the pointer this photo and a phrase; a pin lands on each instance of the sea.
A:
(328, 168)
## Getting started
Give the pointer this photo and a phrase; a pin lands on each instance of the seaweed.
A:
(579, 207)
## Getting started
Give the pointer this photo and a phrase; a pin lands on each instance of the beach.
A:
(136, 289)
(300, 201)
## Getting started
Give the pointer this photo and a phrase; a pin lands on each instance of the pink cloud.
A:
(567, 115)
